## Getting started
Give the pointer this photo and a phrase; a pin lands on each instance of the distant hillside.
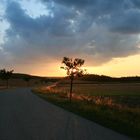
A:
(87, 77)
(22, 76)
(26, 80)
(103, 78)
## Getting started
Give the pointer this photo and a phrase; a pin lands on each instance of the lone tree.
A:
(6, 75)
(73, 68)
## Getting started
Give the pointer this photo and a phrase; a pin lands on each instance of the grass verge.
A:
(122, 120)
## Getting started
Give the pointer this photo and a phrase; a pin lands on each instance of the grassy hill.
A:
(104, 78)
(20, 80)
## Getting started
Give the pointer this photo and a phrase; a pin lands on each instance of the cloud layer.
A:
(96, 30)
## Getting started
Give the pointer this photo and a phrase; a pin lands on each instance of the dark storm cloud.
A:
(123, 15)
(128, 23)
(31, 39)
(99, 29)
(23, 25)
(136, 3)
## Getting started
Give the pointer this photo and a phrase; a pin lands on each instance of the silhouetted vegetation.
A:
(27, 80)
(22, 76)
(6, 75)
(103, 78)
(20, 80)
(73, 69)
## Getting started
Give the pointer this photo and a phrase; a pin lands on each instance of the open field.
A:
(18, 80)
(116, 106)
(102, 89)
(126, 94)
(19, 83)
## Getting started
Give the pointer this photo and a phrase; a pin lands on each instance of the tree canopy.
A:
(5, 75)
(73, 67)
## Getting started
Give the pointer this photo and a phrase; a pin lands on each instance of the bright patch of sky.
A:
(1, 10)
(3, 26)
(34, 8)
(3, 23)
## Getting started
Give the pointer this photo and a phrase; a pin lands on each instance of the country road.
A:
(24, 116)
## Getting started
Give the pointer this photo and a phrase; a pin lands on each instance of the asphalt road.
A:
(24, 116)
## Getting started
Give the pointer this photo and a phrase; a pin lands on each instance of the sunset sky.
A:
(36, 34)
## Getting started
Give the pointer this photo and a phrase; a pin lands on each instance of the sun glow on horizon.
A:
(128, 66)
(118, 67)
(35, 35)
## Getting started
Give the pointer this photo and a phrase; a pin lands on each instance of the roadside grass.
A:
(116, 110)
(2, 87)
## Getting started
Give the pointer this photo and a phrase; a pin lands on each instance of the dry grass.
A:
(20, 83)
(116, 95)
(114, 105)
(102, 89)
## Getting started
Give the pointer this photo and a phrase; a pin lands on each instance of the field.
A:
(17, 83)
(20, 82)
(114, 105)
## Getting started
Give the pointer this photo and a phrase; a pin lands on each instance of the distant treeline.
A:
(45, 79)
(87, 77)
(103, 78)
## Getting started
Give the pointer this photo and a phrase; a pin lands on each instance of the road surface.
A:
(24, 116)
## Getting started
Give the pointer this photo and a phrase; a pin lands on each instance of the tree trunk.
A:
(71, 85)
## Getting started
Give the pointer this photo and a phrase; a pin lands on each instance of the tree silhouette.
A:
(6, 75)
(73, 68)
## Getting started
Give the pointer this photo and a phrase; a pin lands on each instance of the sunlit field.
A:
(102, 89)
(115, 105)
(126, 94)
